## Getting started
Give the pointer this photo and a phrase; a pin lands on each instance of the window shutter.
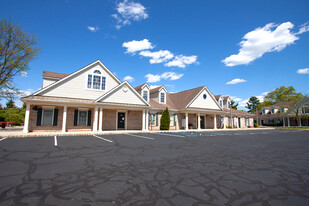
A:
(75, 117)
(157, 117)
(89, 118)
(39, 117)
(175, 120)
(55, 117)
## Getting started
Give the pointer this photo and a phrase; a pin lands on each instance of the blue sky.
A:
(236, 48)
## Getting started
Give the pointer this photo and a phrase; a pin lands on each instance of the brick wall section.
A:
(33, 120)
(135, 120)
(70, 120)
(193, 120)
(209, 121)
(109, 119)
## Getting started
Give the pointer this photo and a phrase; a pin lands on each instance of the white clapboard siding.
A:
(76, 86)
(47, 82)
(123, 95)
(200, 102)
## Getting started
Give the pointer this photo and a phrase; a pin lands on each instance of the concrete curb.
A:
(49, 134)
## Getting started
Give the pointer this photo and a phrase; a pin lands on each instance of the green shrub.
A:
(165, 120)
(256, 125)
(229, 127)
(15, 118)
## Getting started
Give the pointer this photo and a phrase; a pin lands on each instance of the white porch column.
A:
(26, 123)
(143, 121)
(283, 122)
(95, 120)
(215, 121)
(147, 120)
(224, 125)
(288, 122)
(101, 119)
(198, 121)
(187, 121)
(64, 118)
(299, 121)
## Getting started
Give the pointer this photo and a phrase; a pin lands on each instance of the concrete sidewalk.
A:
(17, 132)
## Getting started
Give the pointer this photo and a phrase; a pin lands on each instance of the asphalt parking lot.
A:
(260, 167)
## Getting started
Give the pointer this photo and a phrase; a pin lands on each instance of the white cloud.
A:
(128, 78)
(165, 75)
(264, 93)
(236, 99)
(134, 46)
(303, 71)
(236, 81)
(128, 11)
(243, 103)
(23, 74)
(157, 57)
(269, 38)
(153, 86)
(26, 92)
(153, 78)
(182, 61)
(303, 28)
(93, 29)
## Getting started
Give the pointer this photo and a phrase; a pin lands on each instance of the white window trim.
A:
(94, 74)
(147, 95)
(52, 122)
(161, 98)
(84, 110)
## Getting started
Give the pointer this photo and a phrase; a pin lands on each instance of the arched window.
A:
(96, 81)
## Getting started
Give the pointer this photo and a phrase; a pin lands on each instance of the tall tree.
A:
(252, 104)
(283, 94)
(10, 104)
(234, 105)
(17, 49)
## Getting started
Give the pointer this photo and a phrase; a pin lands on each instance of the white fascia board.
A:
(120, 85)
(212, 96)
(78, 71)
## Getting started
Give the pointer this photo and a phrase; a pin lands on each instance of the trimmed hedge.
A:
(165, 120)
(272, 124)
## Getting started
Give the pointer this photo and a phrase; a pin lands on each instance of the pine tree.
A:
(165, 120)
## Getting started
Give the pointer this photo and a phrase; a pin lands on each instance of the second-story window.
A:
(221, 103)
(145, 95)
(162, 99)
(229, 105)
(96, 81)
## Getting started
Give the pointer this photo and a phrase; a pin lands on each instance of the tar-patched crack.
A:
(188, 173)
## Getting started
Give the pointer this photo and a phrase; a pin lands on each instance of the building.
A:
(94, 99)
(284, 113)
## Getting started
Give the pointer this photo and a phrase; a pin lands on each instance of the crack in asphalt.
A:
(225, 170)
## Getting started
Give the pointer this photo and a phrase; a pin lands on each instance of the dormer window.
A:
(282, 109)
(162, 98)
(229, 105)
(145, 95)
(96, 81)
(221, 103)
(272, 110)
(264, 111)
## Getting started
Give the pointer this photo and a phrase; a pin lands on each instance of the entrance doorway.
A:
(202, 122)
(121, 120)
(239, 123)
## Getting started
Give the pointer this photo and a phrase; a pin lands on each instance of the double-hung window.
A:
(145, 95)
(162, 99)
(82, 117)
(47, 117)
(96, 81)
